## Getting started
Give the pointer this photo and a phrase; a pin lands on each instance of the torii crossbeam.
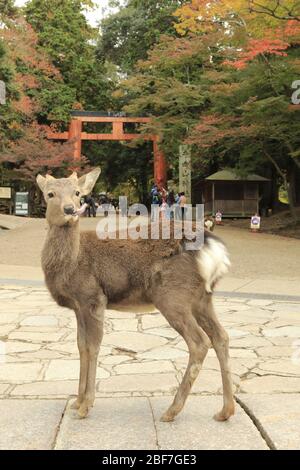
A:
(76, 134)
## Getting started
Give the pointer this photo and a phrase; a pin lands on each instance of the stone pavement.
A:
(140, 365)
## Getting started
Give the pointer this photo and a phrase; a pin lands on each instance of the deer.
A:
(87, 275)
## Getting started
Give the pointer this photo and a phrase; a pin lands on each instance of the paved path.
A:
(142, 359)
(141, 362)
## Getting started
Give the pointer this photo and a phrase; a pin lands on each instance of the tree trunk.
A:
(291, 202)
(286, 184)
(291, 191)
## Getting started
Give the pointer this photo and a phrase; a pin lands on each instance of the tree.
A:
(64, 34)
(28, 73)
(35, 89)
(167, 87)
(251, 123)
(33, 153)
(240, 20)
(128, 34)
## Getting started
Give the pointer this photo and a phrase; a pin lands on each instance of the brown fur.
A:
(86, 274)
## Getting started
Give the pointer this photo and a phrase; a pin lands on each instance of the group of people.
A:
(170, 205)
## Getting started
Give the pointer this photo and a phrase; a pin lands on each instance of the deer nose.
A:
(69, 209)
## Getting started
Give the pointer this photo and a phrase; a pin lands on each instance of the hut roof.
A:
(230, 175)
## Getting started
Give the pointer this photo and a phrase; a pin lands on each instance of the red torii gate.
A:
(76, 134)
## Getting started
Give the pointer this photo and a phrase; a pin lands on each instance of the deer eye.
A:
(77, 193)
(50, 195)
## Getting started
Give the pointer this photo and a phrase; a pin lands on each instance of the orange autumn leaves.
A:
(21, 44)
(255, 31)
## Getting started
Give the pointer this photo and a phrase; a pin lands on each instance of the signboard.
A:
(5, 193)
(21, 204)
(255, 222)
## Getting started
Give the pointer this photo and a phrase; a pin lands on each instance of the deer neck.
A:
(61, 250)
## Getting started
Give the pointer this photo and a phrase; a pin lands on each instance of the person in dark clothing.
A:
(91, 205)
(171, 202)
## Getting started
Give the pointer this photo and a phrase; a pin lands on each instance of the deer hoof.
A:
(167, 417)
(224, 414)
(75, 405)
(83, 411)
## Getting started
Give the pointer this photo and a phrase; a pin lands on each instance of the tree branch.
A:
(257, 7)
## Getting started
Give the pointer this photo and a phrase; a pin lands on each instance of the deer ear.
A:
(88, 181)
(41, 182)
(73, 176)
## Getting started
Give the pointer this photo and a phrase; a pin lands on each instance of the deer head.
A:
(63, 195)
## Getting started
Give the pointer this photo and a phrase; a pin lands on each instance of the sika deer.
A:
(86, 274)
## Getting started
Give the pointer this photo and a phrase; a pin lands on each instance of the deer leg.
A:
(81, 343)
(208, 320)
(94, 333)
(198, 344)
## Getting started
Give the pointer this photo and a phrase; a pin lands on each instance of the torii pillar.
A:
(160, 166)
(75, 130)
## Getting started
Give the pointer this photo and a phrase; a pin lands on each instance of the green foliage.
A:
(66, 37)
(128, 34)
(169, 87)
(123, 164)
(8, 116)
(7, 9)
(55, 100)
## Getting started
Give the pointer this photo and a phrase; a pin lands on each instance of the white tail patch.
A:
(213, 262)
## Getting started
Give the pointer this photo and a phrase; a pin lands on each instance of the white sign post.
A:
(218, 217)
(255, 223)
(185, 171)
(2, 92)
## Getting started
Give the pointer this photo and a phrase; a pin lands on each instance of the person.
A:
(182, 203)
(171, 198)
(163, 194)
(154, 192)
(163, 209)
(218, 217)
(177, 206)
(155, 201)
(91, 208)
(170, 202)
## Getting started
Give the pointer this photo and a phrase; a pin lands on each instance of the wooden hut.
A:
(234, 196)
